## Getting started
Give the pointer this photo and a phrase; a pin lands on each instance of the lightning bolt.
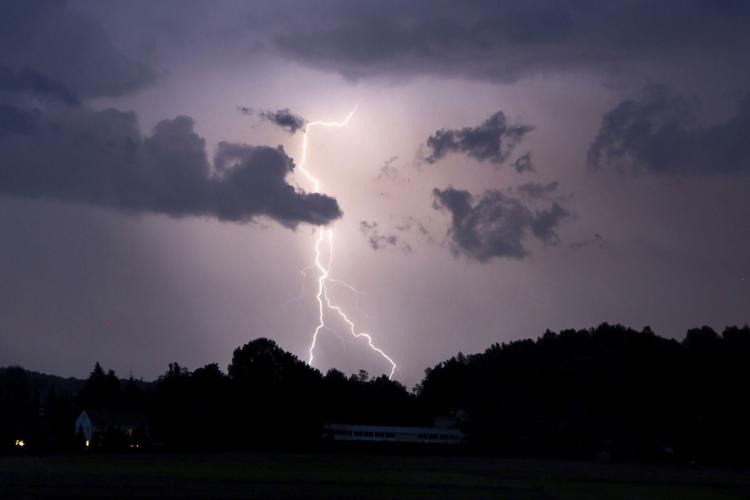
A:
(326, 234)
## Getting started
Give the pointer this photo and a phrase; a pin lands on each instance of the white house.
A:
(94, 425)
(85, 426)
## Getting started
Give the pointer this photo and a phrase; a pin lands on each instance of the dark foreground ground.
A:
(276, 475)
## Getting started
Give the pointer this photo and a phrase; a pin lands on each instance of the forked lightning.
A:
(326, 234)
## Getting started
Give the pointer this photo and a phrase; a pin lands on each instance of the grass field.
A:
(286, 476)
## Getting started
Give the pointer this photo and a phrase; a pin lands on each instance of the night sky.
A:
(510, 167)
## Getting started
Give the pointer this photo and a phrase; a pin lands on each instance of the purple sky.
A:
(134, 237)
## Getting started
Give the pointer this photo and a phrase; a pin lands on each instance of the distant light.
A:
(20, 443)
(88, 443)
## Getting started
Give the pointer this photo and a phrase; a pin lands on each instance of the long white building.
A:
(382, 433)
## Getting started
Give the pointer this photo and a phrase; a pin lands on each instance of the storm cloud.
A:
(495, 224)
(32, 82)
(655, 134)
(14, 120)
(282, 118)
(505, 41)
(493, 140)
(49, 45)
(100, 158)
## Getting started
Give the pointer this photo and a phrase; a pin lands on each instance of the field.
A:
(287, 476)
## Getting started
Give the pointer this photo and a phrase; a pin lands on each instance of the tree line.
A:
(609, 392)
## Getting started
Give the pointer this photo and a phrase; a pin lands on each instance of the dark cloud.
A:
(523, 163)
(493, 140)
(282, 118)
(15, 120)
(655, 134)
(30, 81)
(545, 222)
(378, 240)
(256, 184)
(508, 40)
(47, 46)
(100, 158)
(495, 224)
(52, 147)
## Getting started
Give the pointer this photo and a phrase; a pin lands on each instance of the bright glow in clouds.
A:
(327, 234)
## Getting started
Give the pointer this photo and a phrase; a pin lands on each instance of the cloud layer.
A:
(32, 82)
(47, 41)
(506, 40)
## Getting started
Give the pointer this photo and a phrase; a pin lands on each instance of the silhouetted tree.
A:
(16, 414)
(605, 391)
(102, 390)
(169, 408)
(61, 412)
(132, 395)
(275, 395)
(210, 406)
